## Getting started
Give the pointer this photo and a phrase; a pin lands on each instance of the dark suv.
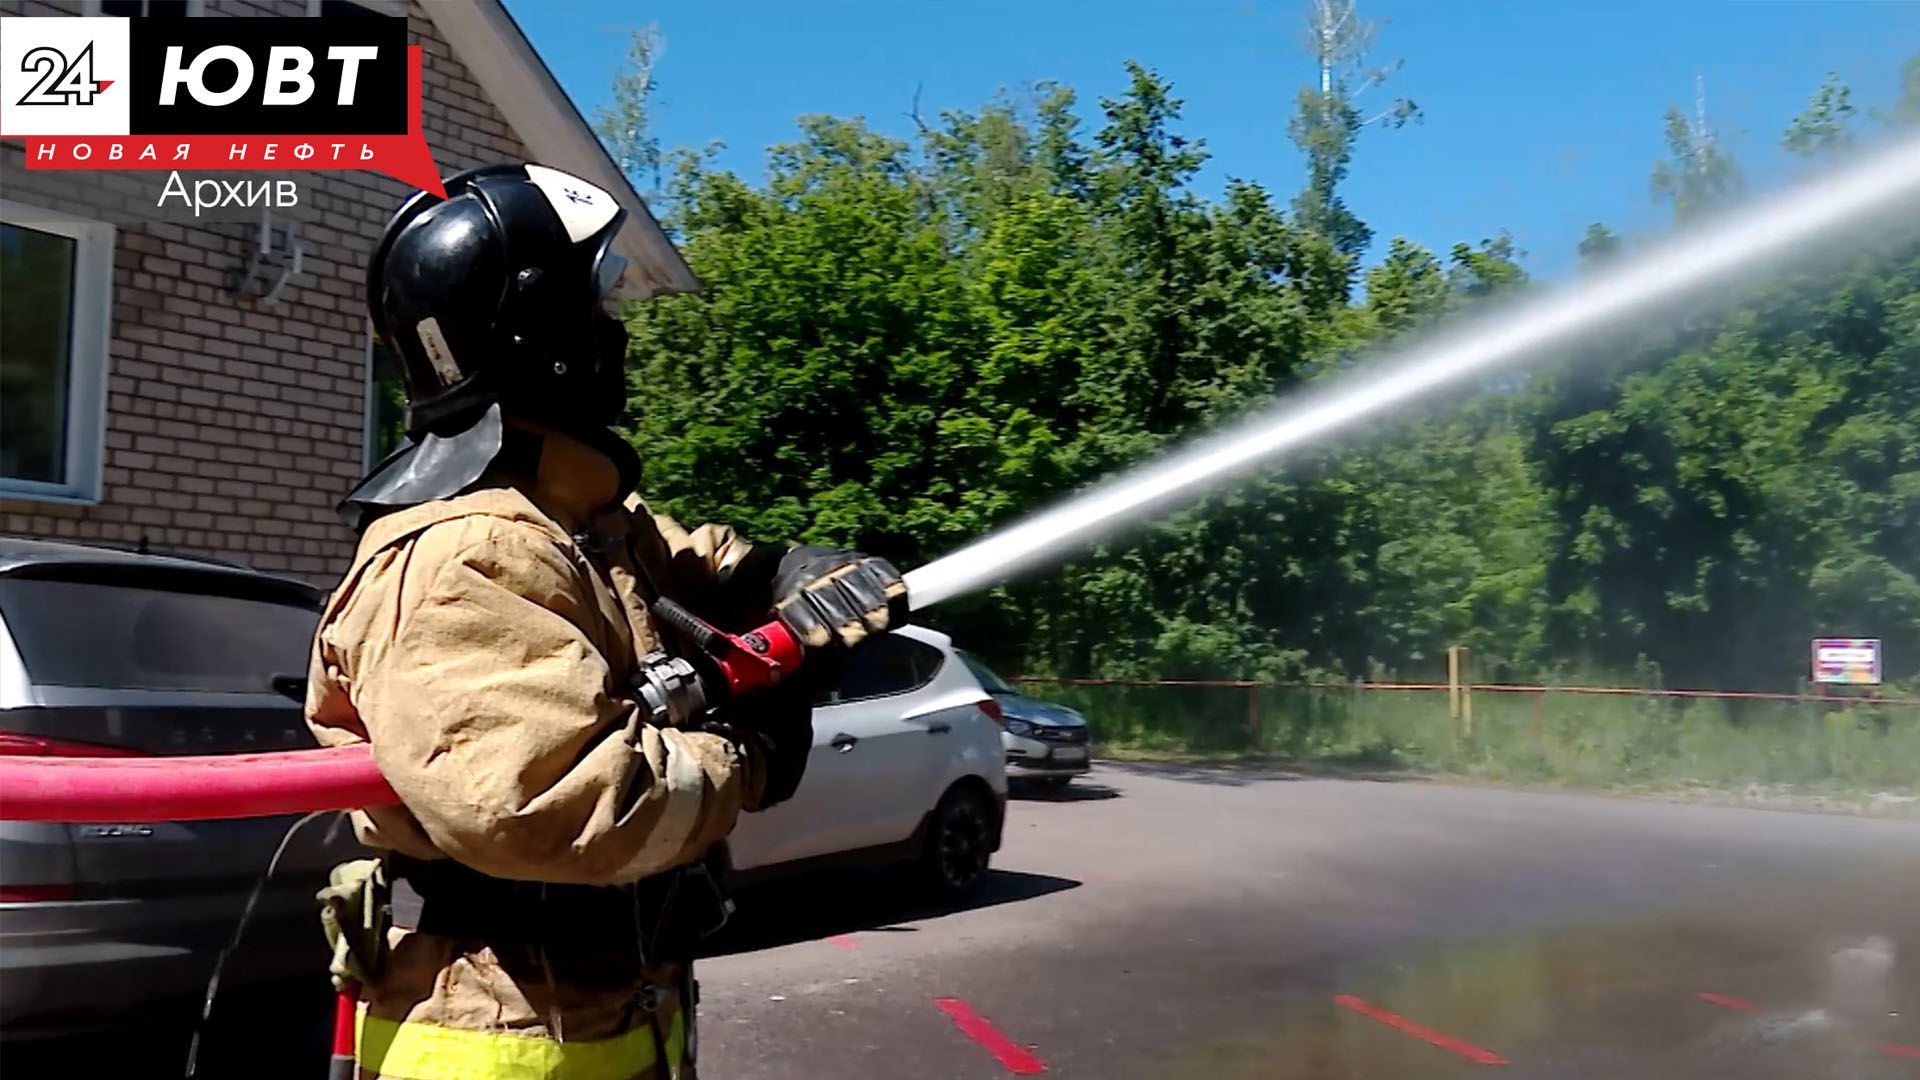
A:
(110, 653)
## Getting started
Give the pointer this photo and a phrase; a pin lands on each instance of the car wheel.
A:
(959, 842)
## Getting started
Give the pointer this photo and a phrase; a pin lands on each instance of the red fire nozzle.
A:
(747, 662)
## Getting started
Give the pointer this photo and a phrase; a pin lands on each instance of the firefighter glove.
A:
(828, 597)
(355, 913)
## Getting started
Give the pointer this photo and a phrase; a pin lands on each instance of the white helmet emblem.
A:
(583, 206)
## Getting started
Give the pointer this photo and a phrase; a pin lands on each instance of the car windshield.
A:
(80, 633)
(991, 683)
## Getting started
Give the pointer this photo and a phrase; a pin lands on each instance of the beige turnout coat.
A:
(486, 657)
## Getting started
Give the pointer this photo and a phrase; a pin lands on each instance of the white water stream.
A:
(1885, 184)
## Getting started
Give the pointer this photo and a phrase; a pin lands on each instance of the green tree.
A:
(1407, 288)
(1697, 175)
(1141, 170)
(1752, 489)
(1328, 119)
(1598, 244)
(625, 127)
(1488, 270)
(1822, 127)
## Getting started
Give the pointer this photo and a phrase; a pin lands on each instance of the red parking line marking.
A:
(843, 941)
(974, 1026)
(1896, 1050)
(1443, 1041)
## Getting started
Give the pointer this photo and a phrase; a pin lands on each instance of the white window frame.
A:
(89, 353)
(379, 7)
(369, 408)
(195, 8)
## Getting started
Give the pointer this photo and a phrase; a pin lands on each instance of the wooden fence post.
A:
(1466, 691)
(1453, 682)
(1253, 713)
(1459, 689)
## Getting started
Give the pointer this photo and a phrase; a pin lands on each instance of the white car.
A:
(906, 766)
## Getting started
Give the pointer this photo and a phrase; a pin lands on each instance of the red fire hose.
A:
(110, 789)
(96, 790)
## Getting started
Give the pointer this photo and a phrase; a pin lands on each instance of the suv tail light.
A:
(34, 894)
(18, 744)
(994, 712)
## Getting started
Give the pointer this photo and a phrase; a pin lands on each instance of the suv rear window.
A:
(889, 664)
(122, 637)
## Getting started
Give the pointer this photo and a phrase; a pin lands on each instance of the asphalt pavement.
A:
(1184, 922)
(1156, 921)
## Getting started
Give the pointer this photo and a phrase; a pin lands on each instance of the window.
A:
(56, 273)
(363, 9)
(888, 664)
(134, 9)
(83, 633)
(386, 404)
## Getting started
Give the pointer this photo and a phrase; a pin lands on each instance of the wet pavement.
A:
(1594, 1002)
(1174, 922)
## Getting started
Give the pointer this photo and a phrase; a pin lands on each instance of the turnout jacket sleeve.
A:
(475, 658)
(703, 553)
(721, 575)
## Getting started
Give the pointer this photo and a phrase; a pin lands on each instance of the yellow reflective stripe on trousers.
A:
(415, 1051)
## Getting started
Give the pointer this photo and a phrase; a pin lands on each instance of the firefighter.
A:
(536, 899)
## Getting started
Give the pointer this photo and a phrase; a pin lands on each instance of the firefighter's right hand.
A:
(829, 597)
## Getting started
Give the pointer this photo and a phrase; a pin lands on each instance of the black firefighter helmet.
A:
(496, 299)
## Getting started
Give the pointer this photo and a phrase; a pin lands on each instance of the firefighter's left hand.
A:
(828, 597)
(353, 912)
(775, 736)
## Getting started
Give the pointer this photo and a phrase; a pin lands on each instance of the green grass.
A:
(1553, 738)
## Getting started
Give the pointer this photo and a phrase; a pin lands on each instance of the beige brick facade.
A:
(233, 426)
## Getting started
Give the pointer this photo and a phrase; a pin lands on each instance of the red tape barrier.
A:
(1491, 688)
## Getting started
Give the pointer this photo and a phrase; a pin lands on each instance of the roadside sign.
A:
(1847, 660)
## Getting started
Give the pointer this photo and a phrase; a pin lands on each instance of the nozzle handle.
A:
(700, 633)
(759, 658)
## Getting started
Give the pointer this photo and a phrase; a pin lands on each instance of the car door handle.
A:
(939, 727)
(843, 742)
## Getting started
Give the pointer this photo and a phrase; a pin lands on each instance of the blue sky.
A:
(1540, 116)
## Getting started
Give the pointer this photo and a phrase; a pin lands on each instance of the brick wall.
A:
(234, 426)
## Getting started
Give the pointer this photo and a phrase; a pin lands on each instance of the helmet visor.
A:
(607, 277)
